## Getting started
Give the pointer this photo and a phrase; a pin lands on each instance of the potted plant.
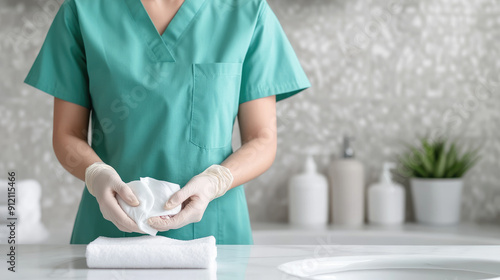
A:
(436, 168)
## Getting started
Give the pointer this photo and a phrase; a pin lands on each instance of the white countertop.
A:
(61, 261)
(233, 261)
(465, 229)
(368, 234)
(470, 229)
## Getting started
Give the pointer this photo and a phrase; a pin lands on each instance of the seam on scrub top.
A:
(274, 87)
(190, 23)
(137, 27)
(71, 8)
(53, 91)
(256, 92)
(38, 84)
(264, 7)
(192, 104)
(169, 50)
(259, 16)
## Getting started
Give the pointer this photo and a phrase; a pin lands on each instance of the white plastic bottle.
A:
(308, 197)
(386, 199)
(347, 190)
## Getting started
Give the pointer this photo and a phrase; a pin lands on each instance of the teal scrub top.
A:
(164, 105)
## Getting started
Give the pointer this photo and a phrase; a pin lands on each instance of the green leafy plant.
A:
(437, 159)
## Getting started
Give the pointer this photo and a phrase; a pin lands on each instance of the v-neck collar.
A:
(162, 45)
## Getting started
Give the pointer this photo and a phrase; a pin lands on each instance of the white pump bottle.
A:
(308, 197)
(386, 199)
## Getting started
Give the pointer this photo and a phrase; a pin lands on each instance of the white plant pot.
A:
(437, 201)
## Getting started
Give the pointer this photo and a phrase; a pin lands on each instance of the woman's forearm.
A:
(257, 122)
(74, 154)
(253, 158)
(69, 137)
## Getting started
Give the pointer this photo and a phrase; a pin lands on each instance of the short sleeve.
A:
(271, 66)
(60, 68)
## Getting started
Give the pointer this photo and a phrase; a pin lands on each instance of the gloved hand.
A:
(103, 182)
(195, 196)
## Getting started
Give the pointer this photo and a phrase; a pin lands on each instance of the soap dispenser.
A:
(308, 197)
(386, 199)
(347, 190)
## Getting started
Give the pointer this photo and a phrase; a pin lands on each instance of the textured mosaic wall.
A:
(386, 72)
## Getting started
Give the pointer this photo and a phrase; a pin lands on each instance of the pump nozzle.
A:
(386, 172)
(310, 165)
(348, 151)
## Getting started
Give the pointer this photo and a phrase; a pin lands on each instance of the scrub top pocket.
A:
(215, 96)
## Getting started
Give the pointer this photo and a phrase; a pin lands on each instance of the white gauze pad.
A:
(152, 195)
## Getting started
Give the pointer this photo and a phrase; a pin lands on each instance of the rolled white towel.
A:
(4, 213)
(27, 200)
(32, 233)
(29, 228)
(23, 215)
(27, 191)
(25, 233)
(151, 252)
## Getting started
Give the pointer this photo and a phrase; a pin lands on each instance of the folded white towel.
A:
(151, 252)
(152, 195)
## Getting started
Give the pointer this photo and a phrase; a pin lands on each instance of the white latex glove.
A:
(103, 182)
(195, 196)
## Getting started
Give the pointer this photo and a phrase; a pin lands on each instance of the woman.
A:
(163, 82)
